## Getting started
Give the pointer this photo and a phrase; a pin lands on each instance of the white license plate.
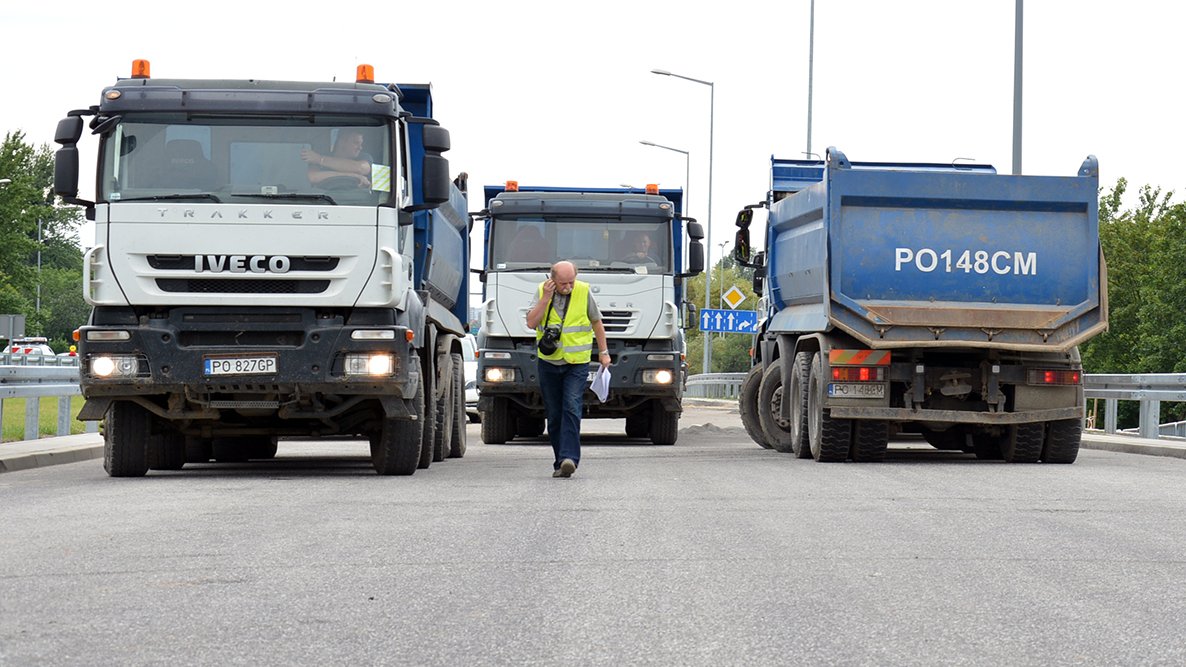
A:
(261, 365)
(856, 390)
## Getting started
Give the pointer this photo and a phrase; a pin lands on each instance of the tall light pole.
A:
(687, 168)
(1018, 15)
(708, 218)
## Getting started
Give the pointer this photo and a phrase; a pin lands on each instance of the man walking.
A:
(566, 320)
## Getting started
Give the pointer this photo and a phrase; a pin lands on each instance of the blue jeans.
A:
(563, 389)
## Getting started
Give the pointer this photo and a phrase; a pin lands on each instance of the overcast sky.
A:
(560, 93)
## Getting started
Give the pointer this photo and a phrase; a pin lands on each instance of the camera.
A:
(551, 340)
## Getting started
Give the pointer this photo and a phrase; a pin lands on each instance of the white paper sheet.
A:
(600, 383)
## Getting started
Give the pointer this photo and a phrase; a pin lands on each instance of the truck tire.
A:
(830, 439)
(125, 440)
(528, 427)
(770, 397)
(429, 425)
(747, 405)
(496, 423)
(870, 439)
(1024, 443)
(457, 442)
(198, 450)
(1062, 441)
(664, 426)
(443, 430)
(797, 393)
(166, 451)
(988, 446)
(638, 424)
(395, 449)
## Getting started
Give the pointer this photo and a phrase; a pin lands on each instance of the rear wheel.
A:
(747, 403)
(830, 439)
(497, 426)
(870, 439)
(457, 442)
(442, 440)
(125, 440)
(796, 393)
(1023, 443)
(664, 426)
(770, 396)
(432, 406)
(395, 449)
(1062, 441)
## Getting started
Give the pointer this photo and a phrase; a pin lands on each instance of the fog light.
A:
(109, 366)
(500, 375)
(657, 376)
(374, 364)
(108, 335)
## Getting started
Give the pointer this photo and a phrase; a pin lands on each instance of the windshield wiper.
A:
(192, 195)
(287, 195)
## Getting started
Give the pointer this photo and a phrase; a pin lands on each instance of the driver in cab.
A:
(346, 162)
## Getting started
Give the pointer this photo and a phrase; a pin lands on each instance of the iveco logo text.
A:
(241, 214)
(242, 263)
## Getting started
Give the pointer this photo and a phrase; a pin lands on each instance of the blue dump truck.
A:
(630, 247)
(271, 258)
(941, 300)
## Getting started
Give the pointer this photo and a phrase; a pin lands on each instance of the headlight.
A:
(114, 366)
(657, 376)
(374, 364)
(500, 375)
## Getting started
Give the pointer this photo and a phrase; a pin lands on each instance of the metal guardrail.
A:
(10, 359)
(1148, 388)
(34, 382)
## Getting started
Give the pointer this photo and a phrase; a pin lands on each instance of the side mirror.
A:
(430, 171)
(741, 248)
(744, 217)
(690, 318)
(759, 266)
(69, 130)
(695, 258)
(66, 173)
(695, 230)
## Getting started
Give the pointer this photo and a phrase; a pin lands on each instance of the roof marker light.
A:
(365, 74)
(140, 69)
(512, 186)
(652, 188)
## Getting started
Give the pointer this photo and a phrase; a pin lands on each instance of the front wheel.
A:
(664, 426)
(457, 442)
(497, 424)
(747, 404)
(770, 397)
(125, 440)
(395, 449)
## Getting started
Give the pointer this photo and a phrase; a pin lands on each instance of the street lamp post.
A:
(687, 168)
(708, 218)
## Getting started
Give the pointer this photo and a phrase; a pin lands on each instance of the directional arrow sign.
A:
(728, 321)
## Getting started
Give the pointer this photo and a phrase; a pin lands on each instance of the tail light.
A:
(1053, 377)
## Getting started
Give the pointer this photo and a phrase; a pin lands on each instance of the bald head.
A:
(564, 274)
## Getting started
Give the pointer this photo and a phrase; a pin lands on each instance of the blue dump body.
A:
(920, 255)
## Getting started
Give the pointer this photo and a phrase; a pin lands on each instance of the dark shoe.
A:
(567, 468)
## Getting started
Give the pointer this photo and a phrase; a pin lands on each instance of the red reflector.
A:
(1041, 376)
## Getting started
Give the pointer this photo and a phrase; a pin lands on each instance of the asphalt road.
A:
(709, 552)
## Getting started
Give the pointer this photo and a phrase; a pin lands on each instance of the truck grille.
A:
(248, 286)
(619, 321)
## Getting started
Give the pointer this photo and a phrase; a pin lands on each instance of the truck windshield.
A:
(526, 243)
(346, 160)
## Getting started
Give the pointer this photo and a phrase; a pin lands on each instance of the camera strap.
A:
(548, 314)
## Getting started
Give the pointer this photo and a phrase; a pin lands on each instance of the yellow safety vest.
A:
(576, 334)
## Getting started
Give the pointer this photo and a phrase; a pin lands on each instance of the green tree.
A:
(730, 351)
(27, 204)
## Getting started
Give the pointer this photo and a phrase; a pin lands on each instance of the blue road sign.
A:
(728, 321)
